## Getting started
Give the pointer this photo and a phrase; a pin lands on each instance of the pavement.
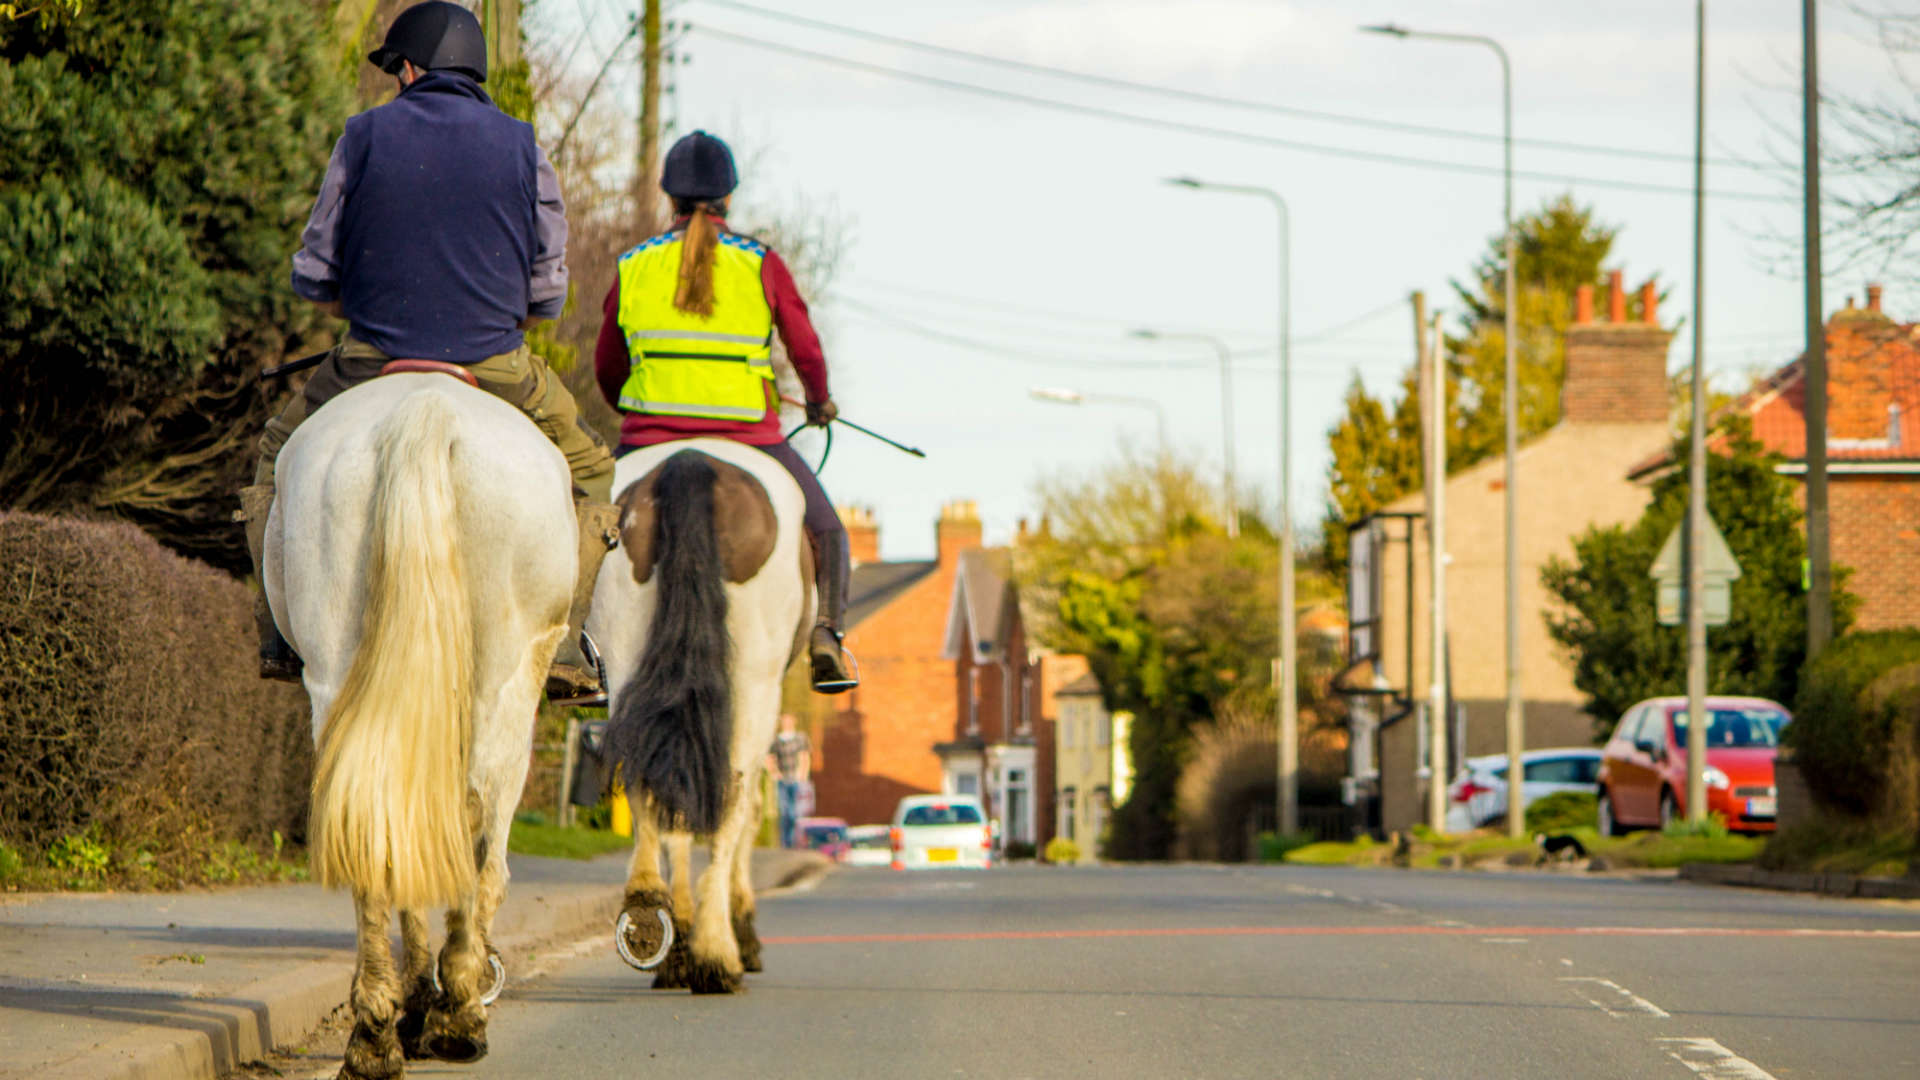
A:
(187, 985)
(1205, 971)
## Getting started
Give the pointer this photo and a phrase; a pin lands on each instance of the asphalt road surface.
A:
(1195, 971)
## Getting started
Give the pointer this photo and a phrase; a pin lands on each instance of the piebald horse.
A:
(420, 556)
(697, 626)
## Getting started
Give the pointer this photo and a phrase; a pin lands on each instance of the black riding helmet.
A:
(699, 167)
(436, 35)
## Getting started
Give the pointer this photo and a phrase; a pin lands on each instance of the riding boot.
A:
(574, 677)
(833, 669)
(278, 661)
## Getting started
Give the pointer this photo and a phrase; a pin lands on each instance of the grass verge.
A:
(1425, 849)
(92, 862)
(1841, 845)
(531, 835)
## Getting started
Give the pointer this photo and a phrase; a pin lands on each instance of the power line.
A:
(1217, 132)
(1199, 97)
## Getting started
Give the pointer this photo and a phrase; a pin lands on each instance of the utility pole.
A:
(1433, 398)
(1696, 544)
(647, 169)
(1819, 560)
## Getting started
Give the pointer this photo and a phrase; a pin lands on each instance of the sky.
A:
(995, 245)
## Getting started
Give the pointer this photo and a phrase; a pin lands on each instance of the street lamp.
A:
(1226, 410)
(1516, 732)
(1289, 706)
(1063, 395)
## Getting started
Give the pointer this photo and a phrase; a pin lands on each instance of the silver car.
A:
(1478, 795)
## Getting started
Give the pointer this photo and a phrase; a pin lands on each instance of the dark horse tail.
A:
(672, 732)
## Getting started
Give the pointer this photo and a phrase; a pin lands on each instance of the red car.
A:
(1643, 769)
(826, 835)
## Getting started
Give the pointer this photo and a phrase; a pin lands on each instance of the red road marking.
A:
(1345, 931)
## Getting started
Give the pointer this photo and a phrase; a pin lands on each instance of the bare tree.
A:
(1875, 152)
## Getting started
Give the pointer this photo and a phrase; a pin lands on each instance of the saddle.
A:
(399, 367)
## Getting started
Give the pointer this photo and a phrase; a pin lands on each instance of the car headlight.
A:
(1714, 778)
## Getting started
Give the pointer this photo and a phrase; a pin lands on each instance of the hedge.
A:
(1853, 730)
(130, 704)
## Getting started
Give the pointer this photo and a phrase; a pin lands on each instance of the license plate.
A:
(943, 854)
(1762, 807)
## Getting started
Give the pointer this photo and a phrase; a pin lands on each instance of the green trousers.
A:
(518, 377)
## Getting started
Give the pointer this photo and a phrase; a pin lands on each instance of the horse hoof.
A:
(372, 1056)
(412, 1022)
(711, 978)
(749, 942)
(499, 979)
(457, 1037)
(644, 942)
(672, 974)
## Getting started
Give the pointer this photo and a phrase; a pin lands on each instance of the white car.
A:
(932, 832)
(868, 845)
(1478, 795)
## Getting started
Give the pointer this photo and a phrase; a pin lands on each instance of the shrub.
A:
(1274, 846)
(1563, 811)
(1062, 850)
(130, 711)
(1851, 706)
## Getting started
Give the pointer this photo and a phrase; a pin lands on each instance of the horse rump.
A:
(671, 732)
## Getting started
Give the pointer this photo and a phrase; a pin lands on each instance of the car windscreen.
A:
(820, 835)
(1580, 769)
(942, 814)
(1735, 727)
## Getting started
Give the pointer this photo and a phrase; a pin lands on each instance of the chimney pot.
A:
(1583, 305)
(1616, 297)
(1873, 299)
(1649, 304)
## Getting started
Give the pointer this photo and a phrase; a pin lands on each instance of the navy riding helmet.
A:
(699, 167)
(435, 36)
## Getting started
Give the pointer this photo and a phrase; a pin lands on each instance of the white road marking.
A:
(1612, 998)
(1503, 940)
(1709, 1059)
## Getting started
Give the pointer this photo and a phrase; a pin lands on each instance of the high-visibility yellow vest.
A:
(719, 367)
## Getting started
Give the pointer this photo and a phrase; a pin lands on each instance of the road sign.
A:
(1719, 569)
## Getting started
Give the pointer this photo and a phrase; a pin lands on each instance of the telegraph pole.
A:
(1433, 391)
(647, 170)
(1820, 563)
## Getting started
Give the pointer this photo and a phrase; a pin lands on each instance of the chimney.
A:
(958, 530)
(1873, 299)
(1616, 370)
(863, 534)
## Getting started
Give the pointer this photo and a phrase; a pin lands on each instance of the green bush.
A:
(1842, 731)
(1563, 811)
(1062, 851)
(131, 713)
(1275, 846)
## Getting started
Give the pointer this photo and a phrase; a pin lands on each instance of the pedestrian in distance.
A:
(791, 762)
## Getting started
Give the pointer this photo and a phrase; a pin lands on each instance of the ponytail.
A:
(693, 293)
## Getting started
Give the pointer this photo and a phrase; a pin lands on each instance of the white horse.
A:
(420, 556)
(697, 626)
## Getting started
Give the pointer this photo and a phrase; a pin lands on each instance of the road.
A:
(1195, 971)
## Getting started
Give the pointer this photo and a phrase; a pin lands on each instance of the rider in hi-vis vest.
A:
(686, 351)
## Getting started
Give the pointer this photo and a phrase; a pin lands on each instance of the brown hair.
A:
(694, 292)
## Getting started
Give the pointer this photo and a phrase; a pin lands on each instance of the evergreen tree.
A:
(1606, 617)
(161, 158)
(1377, 458)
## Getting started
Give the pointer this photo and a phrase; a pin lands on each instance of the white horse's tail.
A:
(389, 814)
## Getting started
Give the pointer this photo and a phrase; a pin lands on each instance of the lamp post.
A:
(1226, 411)
(1288, 682)
(1516, 728)
(1066, 396)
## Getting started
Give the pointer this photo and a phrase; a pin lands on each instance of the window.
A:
(1069, 720)
(1102, 732)
(966, 783)
(1067, 816)
(942, 814)
(1733, 727)
(1563, 770)
(1630, 725)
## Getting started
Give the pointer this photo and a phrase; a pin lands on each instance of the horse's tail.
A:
(672, 732)
(389, 814)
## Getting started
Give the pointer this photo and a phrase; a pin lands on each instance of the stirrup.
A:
(598, 698)
(838, 686)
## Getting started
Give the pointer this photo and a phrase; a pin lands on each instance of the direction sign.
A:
(1719, 570)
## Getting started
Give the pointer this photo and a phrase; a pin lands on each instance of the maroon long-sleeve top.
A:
(612, 363)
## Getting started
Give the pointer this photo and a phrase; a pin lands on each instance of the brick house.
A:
(1873, 453)
(1614, 412)
(1006, 688)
